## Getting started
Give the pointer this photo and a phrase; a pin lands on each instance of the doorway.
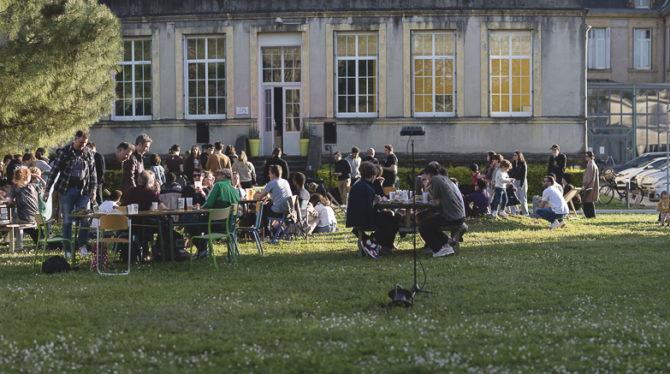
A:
(281, 108)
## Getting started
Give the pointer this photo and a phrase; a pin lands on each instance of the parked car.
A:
(638, 161)
(622, 177)
(658, 188)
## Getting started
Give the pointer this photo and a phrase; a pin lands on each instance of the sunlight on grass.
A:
(589, 297)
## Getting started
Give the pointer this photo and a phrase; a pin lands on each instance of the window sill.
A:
(607, 70)
(128, 118)
(634, 70)
(356, 115)
(219, 116)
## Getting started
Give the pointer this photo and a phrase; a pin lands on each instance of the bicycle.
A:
(609, 188)
(606, 168)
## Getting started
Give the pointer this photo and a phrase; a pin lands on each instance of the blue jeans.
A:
(548, 214)
(73, 199)
(499, 199)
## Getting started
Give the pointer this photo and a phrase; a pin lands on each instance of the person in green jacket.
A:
(222, 195)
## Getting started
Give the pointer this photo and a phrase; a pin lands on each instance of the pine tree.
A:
(57, 64)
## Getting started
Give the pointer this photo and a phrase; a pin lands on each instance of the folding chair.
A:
(568, 197)
(222, 217)
(112, 223)
(44, 239)
(254, 230)
(294, 223)
(281, 229)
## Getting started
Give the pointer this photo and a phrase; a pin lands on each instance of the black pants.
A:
(431, 231)
(589, 210)
(386, 229)
(248, 184)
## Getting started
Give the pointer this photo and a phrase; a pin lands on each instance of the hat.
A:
(555, 146)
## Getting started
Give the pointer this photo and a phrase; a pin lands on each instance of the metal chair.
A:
(254, 230)
(112, 223)
(217, 217)
(44, 239)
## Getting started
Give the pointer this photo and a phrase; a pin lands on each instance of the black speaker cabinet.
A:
(329, 132)
(202, 132)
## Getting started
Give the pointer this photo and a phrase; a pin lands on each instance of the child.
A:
(500, 181)
(477, 203)
(327, 221)
(108, 205)
(663, 208)
(159, 171)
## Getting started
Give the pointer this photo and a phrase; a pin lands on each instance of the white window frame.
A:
(434, 58)
(282, 69)
(356, 58)
(642, 49)
(207, 61)
(599, 48)
(510, 56)
(133, 63)
(642, 4)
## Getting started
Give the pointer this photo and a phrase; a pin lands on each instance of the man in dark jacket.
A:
(557, 162)
(133, 166)
(363, 216)
(275, 160)
(343, 173)
(99, 171)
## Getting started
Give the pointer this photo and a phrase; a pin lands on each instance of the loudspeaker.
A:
(329, 132)
(202, 132)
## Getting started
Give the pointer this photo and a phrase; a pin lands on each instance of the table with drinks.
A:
(405, 203)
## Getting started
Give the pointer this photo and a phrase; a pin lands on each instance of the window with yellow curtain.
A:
(433, 70)
(510, 71)
(356, 75)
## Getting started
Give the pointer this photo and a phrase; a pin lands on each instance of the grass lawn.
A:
(590, 297)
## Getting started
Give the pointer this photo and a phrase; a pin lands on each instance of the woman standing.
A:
(520, 174)
(246, 171)
(192, 162)
(590, 185)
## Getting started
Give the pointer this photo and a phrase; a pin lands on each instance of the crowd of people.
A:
(215, 176)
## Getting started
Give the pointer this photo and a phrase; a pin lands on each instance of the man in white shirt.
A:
(552, 206)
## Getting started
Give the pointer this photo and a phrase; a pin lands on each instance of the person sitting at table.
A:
(194, 188)
(222, 196)
(279, 189)
(363, 216)
(24, 196)
(477, 202)
(235, 181)
(327, 221)
(447, 197)
(143, 194)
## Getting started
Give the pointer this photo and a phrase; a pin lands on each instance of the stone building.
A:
(478, 74)
(628, 65)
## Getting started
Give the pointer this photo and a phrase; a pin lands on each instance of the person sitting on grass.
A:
(477, 203)
(445, 194)
(663, 208)
(327, 221)
(552, 205)
(362, 215)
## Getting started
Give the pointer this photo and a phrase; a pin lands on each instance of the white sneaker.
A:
(444, 251)
(554, 224)
(494, 214)
(83, 251)
(502, 213)
(561, 223)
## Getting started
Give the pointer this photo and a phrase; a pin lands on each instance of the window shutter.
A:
(592, 49)
(607, 48)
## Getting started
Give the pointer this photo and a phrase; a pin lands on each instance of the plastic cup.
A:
(154, 206)
(180, 203)
(424, 197)
(392, 195)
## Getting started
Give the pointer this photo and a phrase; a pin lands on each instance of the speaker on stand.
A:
(329, 140)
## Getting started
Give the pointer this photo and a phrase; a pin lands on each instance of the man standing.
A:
(552, 205)
(370, 157)
(445, 194)
(217, 160)
(276, 160)
(99, 171)
(557, 162)
(354, 162)
(134, 165)
(590, 181)
(74, 167)
(123, 151)
(389, 166)
(343, 173)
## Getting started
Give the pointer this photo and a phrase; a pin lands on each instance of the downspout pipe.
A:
(586, 85)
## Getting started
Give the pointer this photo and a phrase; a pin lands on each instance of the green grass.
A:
(590, 297)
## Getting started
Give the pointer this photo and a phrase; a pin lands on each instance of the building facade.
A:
(478, 75)
(628, 62)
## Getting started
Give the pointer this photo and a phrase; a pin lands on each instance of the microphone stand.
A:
(415, 288)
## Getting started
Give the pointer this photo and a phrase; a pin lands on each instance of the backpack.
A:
(55, 264)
